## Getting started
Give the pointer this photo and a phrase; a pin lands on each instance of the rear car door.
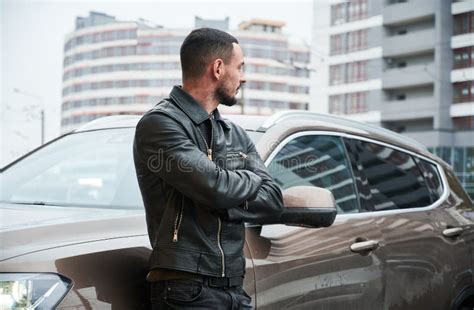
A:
(427, 264)
(305, 268)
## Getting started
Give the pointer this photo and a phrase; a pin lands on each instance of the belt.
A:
(168, 274)
(223, 282)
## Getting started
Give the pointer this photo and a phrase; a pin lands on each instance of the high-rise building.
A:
(221, 24)
(407, 65)
(275, 69)
(124, 67)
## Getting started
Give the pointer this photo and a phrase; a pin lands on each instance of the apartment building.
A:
(124, 67)
(406, 65)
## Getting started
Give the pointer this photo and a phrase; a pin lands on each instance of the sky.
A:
(32, 42)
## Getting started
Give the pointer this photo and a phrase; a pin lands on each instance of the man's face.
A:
(232, 78)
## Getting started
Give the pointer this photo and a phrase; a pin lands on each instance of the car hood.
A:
(30, 228)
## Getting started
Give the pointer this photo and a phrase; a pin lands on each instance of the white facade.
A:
(113, 67)
(325, 92)
(405, 65)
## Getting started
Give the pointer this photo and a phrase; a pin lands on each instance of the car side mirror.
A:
(308, 206)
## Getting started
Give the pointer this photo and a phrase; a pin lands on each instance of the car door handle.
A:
(364, 246)
(452, 232)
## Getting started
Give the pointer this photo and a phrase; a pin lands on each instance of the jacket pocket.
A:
(183, 291)
(236, 160)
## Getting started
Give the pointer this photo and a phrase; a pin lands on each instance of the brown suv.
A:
(73, 233)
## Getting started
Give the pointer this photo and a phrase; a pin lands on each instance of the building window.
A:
(357, 40)
(401, 96)
(463, 123)
(351, 103)
(463, 57)
(299, 56)
(349, 42)
(338, 14)
(336, 75)
(463, 92)
(401, 32)
(401, 64)
(463, 23)
(278, 87)
(356, 71)
(337, 44)
(462, 160)
(356, 102)
(358, 9)
(348, 12)
(336, 104)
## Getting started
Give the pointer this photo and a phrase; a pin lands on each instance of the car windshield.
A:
(85, 169)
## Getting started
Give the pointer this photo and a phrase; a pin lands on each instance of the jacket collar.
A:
(192, 108)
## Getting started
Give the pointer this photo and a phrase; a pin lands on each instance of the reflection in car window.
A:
(393, 178)
(83, 169)
(316, 161)
(432, 178)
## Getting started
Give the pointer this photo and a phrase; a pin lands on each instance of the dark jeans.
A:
(191, 294)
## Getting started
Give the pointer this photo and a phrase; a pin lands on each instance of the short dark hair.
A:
(203, 46)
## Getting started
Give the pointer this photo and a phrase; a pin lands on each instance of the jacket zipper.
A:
(208, 149)
(219, 223)
(239, 154)
(177, 221)
(219, 228)
(243, 155)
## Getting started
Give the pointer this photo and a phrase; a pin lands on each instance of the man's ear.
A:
(218, 68)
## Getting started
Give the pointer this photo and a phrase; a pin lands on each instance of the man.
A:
(201, 178)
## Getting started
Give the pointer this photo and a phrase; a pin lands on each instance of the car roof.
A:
(341, 123)
(249, 122)
(263, 123)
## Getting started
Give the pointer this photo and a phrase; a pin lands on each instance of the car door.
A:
(305, 268)
(427, 263)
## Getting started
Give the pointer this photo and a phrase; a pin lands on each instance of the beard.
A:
(222, 96)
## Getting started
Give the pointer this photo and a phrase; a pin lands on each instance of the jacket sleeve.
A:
(267, 206)
(163, 146)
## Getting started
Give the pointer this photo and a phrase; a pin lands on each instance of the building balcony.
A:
(442, 137)
(407, 12)
(432, 138)
(413, 43)
(462, 74)
(462, 109)
(411, 76)
(410, 109)
(459, 7)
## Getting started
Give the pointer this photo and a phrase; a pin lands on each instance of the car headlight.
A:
(32, 290)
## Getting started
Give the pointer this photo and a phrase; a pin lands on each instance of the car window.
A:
(432, 178)
(83, 169)
(392, 177)
(314, 160)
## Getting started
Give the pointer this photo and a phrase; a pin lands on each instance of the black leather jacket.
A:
(195, 207)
